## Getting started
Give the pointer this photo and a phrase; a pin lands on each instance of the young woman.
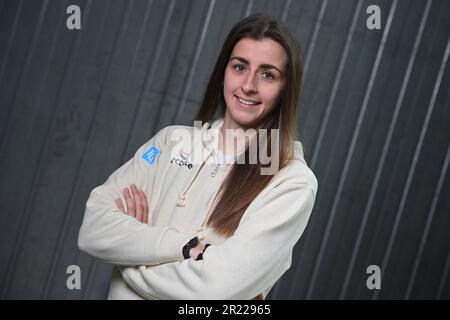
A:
(194, 218)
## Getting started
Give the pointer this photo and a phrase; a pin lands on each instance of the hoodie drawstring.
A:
(182, 196)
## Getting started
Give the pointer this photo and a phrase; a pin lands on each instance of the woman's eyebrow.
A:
(264, 66)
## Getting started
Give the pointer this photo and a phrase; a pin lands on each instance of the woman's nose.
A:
(249, 84)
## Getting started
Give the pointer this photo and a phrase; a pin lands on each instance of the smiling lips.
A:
(246, 102)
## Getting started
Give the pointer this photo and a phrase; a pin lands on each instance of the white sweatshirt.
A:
(148, 257)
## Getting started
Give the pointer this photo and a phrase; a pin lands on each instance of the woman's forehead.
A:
(265, 51)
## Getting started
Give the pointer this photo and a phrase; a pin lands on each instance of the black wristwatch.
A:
(188, 246)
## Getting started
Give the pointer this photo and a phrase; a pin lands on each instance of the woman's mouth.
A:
(244, 103)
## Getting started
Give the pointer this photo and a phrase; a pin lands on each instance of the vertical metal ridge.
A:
(443, 278)
(350, 151)
(11, 40)
(52, 51)
(201, 40)
(139, 44)
(412, 168)
(23, 220)
(151, 73)
(447, 263)
(386, 146)
(6, 128)
(311, 47)
(147, 81)
(248, 10)
(165, 93)
(81, 164)
(92, 263)
(314, 38)
(334, 91)
(123, 24)
(336, 84)
(284, 14)
(24, 68)
(430, 217)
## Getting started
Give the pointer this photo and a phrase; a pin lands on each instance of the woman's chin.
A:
(245, 119)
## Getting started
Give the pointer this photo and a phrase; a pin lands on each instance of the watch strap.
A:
(188, 246)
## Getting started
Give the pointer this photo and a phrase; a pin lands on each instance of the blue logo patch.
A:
(151, 155)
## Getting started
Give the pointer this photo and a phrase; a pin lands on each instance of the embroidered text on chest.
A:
(181, 162)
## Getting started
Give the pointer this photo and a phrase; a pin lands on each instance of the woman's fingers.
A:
(120, 205)
(131, 208)
(137, 202)
(144, 206)
(194, 252)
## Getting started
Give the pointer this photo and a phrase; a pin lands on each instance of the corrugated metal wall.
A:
(374, 118)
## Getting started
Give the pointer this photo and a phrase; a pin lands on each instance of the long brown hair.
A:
(244, 181)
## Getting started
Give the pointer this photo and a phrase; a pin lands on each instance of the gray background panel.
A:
(374, 119)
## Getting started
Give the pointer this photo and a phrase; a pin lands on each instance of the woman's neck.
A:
(235, 135)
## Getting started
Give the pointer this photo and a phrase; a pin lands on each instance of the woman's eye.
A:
(238, 67)
(268, 75)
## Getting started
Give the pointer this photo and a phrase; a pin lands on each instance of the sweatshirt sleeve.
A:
(248, 262)
(109, 235)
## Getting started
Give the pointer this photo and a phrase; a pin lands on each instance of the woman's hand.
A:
(137, 204)
(194, 252)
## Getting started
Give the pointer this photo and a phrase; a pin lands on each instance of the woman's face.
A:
(254, 79)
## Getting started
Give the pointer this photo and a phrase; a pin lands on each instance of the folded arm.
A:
(247, 263)
(110, 235)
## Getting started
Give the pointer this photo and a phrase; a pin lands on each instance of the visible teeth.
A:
(250, 103)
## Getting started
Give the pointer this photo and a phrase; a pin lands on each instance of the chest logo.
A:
(151, 155)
